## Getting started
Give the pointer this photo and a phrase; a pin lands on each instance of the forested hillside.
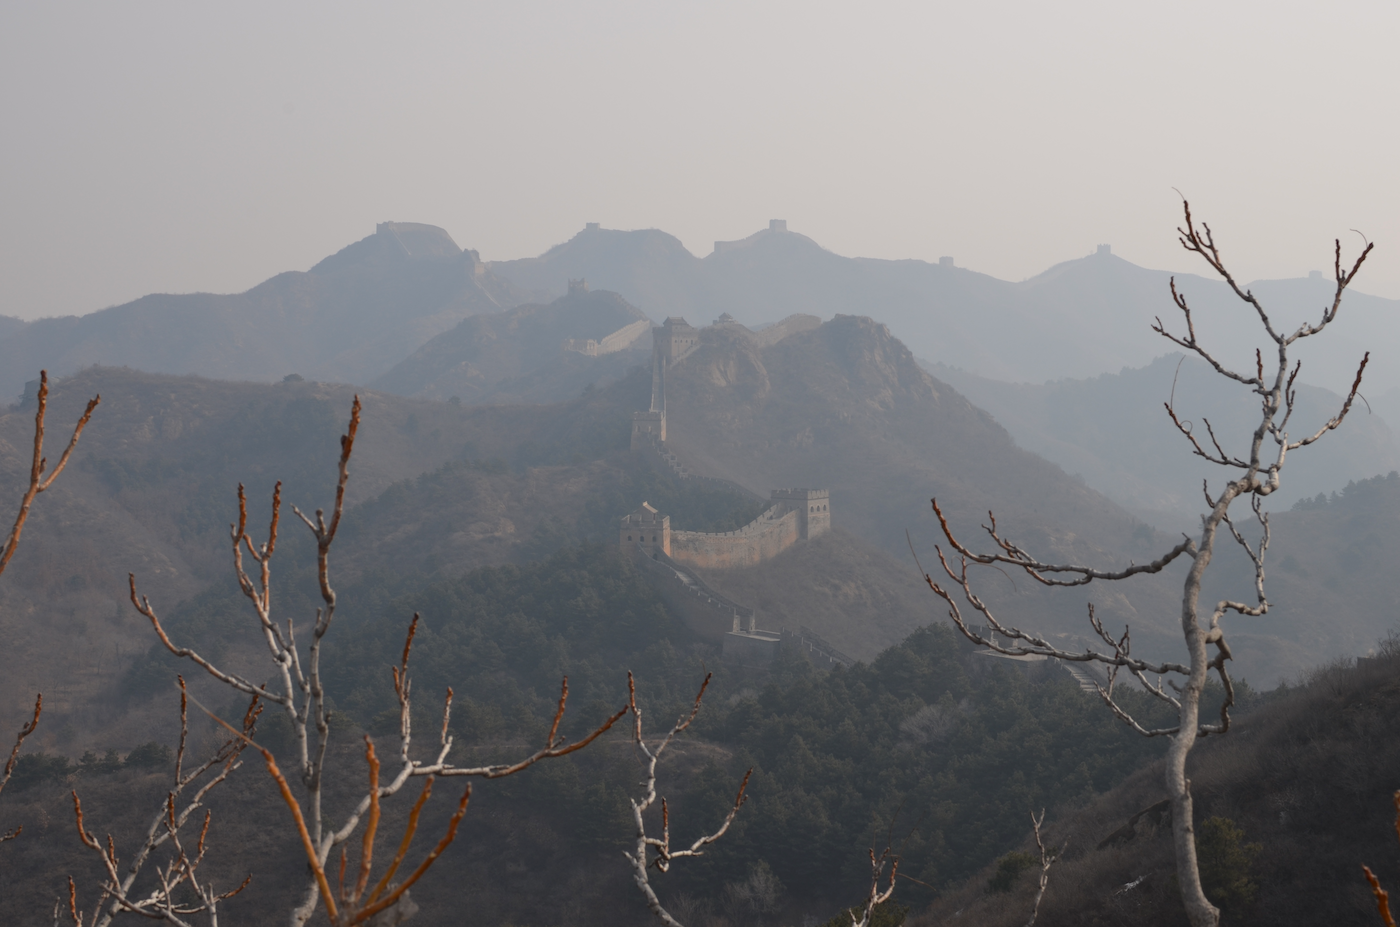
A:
(1290, 805)
(497, 524)
(939, 741)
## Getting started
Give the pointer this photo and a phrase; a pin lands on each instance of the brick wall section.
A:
(762, 539)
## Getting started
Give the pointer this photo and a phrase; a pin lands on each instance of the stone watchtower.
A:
(675, 339)
(646, 527)
(812, 507)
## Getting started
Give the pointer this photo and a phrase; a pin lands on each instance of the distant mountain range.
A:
(348, 319)
(1113, 432)
(1078, 319)
(360, 312)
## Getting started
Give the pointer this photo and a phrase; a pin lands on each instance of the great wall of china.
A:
(670, 556)
(794, 515)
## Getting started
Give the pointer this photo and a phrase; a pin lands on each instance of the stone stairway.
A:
(1081, 678)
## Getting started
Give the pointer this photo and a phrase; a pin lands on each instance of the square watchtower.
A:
(675, 339)
(813, 510)
(646, 527)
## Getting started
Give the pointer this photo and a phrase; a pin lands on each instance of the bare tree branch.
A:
(1257, 477)
(181, 867)
(1046, 859)
(300, 694)
(640, 858)
(14, 758)
(37, 481)
(877, 896)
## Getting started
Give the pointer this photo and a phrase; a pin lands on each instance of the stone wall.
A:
(761, 539)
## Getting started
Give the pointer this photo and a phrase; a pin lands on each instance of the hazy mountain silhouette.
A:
(1079, 318)
(358, 313)
(350, 318)
(1113, 431)
(519, 355)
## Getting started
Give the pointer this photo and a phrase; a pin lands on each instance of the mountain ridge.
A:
(350, 318)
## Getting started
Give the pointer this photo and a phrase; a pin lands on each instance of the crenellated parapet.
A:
(796, 515)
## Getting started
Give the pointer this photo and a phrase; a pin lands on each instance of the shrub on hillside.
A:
(1225, 861)
(1009, 868)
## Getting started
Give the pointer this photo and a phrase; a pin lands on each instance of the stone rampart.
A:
(761, 539)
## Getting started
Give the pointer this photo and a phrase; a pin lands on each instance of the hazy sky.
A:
(170, 147)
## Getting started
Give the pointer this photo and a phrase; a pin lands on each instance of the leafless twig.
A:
(14, 758)
(1046, 859)
(182, 865)
(641, 859)
(38, 482)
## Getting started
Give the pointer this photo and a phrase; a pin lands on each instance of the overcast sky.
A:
(172, 147)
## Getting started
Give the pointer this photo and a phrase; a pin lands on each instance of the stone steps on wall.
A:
(1086, 682)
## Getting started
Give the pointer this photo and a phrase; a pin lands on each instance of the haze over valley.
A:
(707, 466)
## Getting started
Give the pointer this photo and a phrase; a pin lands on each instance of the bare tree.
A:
(1254, 475)
(181, 868)
(877, 895)
(641, 858)
(1047, 857)
(38, 482)
(300, 695)
(656, 852)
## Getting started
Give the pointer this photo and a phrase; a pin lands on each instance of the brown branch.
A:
(1336, 420)
(1382, 897)
(393, 897)
(313, 858)
(372, 824)
(410, 829)
(24, 732)
(37, 482)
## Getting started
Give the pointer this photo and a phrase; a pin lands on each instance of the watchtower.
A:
(812, 507)
(646, 527)
(675, 339)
